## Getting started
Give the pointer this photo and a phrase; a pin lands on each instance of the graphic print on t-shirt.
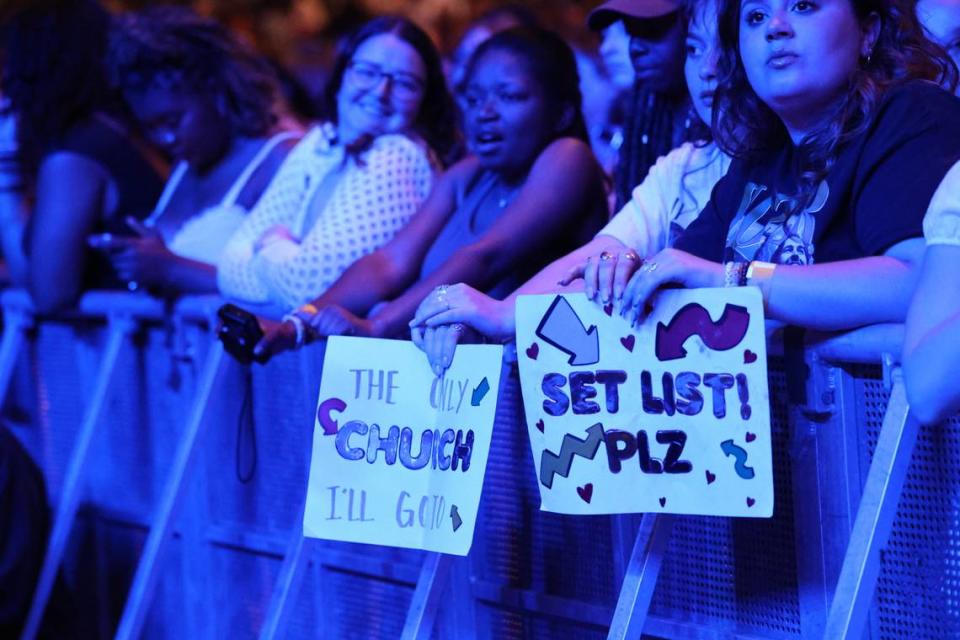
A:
(773, 227)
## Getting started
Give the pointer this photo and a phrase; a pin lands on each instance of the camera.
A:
(239, 332)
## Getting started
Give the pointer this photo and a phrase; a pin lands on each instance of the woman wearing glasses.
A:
(350, 184)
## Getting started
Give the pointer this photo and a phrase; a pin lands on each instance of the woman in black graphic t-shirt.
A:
(840, 138)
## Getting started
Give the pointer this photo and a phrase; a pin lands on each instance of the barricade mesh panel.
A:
(239, 590)
(738, 574)
(258, 451)
(63, 366)
(516, 624)
(358, 607)
(917, 589)
(720, 576)
(306, 617)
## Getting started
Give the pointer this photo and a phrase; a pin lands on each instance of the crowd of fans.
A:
(806, 147)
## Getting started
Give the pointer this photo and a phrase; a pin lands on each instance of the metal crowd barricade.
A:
(183, 480)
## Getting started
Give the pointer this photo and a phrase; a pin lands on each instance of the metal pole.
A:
(120, 328)
(871, 529)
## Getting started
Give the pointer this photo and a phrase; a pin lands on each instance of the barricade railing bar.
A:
(838, 591)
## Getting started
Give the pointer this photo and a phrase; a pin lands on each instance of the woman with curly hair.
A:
(206, 101)
(76, 159)
(840, 134)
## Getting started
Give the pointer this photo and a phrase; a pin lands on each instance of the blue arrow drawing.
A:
(479, 392)
(730, 449)
(561, 327)
(559, 464)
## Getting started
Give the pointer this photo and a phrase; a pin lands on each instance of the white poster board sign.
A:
(398, 454)
(671, 417)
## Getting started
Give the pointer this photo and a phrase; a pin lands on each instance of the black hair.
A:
(173, 46)
(52, 73)
(551, 64)
(436, 119)
(744, 125)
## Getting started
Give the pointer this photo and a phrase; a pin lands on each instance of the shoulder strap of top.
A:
(168, 190)
(234, 192)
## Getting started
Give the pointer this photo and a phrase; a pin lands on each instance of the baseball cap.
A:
(614, 10)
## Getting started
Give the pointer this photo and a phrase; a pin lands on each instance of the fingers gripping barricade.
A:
(194, 474)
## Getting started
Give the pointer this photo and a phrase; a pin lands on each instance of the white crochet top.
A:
(203, 237)
(364, 202)
(941, 224)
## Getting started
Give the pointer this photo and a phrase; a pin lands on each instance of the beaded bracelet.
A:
(734, 274)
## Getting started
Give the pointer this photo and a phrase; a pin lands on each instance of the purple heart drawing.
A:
(540, 425)
(533, 351)
(628, 342)
(710, 477)
(586, 492)
(750, 437)
(749, 357)
(608, 308)
(663, 502)
(750, 502)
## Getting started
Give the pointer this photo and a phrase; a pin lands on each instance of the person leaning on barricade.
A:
(660, 208)
(931, 350)
(206, 101)
(530, 189)
(350, 184)
(839, 142)
(78, 159)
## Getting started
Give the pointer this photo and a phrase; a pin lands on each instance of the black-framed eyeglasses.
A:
(367, 75)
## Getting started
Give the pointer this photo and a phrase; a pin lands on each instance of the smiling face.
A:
(185, 124)
(799, 55)
(381, 90)
(941, 20)
(506, 113)
(793, 251)
(703, 52)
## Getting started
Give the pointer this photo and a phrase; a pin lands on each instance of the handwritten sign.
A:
(672, 417)
(399, 454)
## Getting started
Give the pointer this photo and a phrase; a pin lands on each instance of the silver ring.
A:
(606, 255)
(630, 255)
(441, 293)
(458, 328)
(649, 267)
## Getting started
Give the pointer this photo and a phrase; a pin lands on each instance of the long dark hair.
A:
(174, 46)
(436, 120)
(552, 65)
(745, 126)
(52, 73)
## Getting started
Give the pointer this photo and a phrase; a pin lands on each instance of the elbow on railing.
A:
(926, 394)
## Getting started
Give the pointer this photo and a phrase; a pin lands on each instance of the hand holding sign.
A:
(672, 417)
(399, 454)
